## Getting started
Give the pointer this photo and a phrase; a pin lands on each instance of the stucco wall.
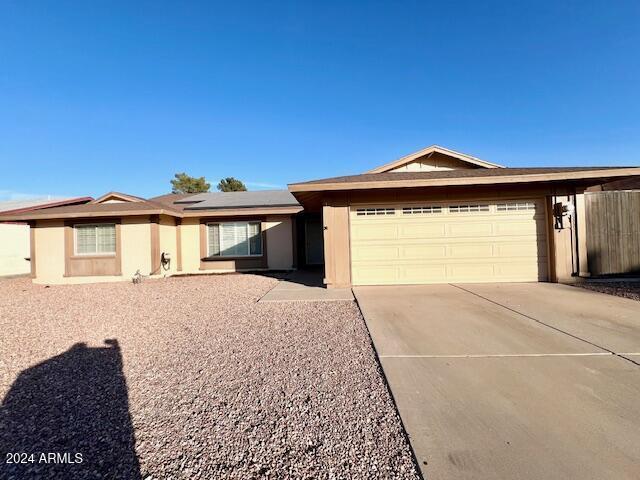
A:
(190, 232)
(279, 242)
(14, 249)
(49, 249)
(168, 244)
(50, 252)
(136, 246)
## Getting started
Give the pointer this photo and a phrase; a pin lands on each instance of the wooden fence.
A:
(613, 232)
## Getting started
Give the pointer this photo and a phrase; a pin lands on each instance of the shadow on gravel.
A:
(72, 413)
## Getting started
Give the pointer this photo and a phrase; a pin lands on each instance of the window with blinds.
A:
(234, 239)
(97, 239)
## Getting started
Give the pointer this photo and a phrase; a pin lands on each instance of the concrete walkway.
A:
(523, 381)
(305, 286)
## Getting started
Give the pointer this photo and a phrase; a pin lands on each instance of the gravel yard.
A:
(190, 378)
(621, 289)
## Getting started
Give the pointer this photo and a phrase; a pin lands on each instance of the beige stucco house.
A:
(431, 217)
(117, 236)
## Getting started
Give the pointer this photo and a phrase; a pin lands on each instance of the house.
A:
(15, 244)
(117, 236)
(442, 216)
(433, 216)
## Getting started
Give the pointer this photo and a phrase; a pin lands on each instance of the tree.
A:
(231, 184)
(184, 183)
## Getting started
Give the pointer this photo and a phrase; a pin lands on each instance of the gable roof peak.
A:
(429, 151)
(123, 197)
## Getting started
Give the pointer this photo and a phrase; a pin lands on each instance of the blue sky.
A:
(98, 96)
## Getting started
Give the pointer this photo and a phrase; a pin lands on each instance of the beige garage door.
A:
(501, 241)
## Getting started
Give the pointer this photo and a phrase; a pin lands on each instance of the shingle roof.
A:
(168, 200)
(461, 173)
(632, 183)
(259, 198)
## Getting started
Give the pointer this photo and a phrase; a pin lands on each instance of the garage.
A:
(440, 216)
(453, 241)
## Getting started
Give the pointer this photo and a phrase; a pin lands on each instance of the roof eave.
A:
(466, 181)
(243, 211)
(284, 205)
(222, 212)
(63, 216)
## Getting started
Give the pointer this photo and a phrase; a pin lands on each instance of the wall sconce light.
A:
(561, 210)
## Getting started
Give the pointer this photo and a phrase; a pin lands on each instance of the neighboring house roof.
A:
(464, 177)
(426, 152)
(21, 206)
(632, 183)
(259, 198)
(93, 210)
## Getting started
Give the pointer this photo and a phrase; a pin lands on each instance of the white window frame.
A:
(458, 208)
(96, 253)
(516, 206)
(375, 211)
(249, 255)
(423, 210)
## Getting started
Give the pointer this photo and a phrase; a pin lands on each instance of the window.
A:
(515, 206)
(418, 210)
(234, 239)
(375, 211)
(95, 239)
(468, 208)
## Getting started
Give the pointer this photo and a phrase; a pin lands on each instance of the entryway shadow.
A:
(72, 413)
(307, 276)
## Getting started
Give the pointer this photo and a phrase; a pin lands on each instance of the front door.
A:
(314, 244)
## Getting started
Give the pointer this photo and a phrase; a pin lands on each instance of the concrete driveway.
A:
(502, 381)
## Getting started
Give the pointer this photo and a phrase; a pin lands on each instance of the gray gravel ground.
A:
(621, 289)
(191, 378)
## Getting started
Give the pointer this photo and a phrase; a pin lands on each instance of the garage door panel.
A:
(522, 271)
(379, 275)
(421, 230)
(471, 250)
(374, 232)
(516, 227)
(417, 273)
(461, 271)
(450, 245)
(470, 229)
(375, 252)
(522, 249)
(423, 252)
